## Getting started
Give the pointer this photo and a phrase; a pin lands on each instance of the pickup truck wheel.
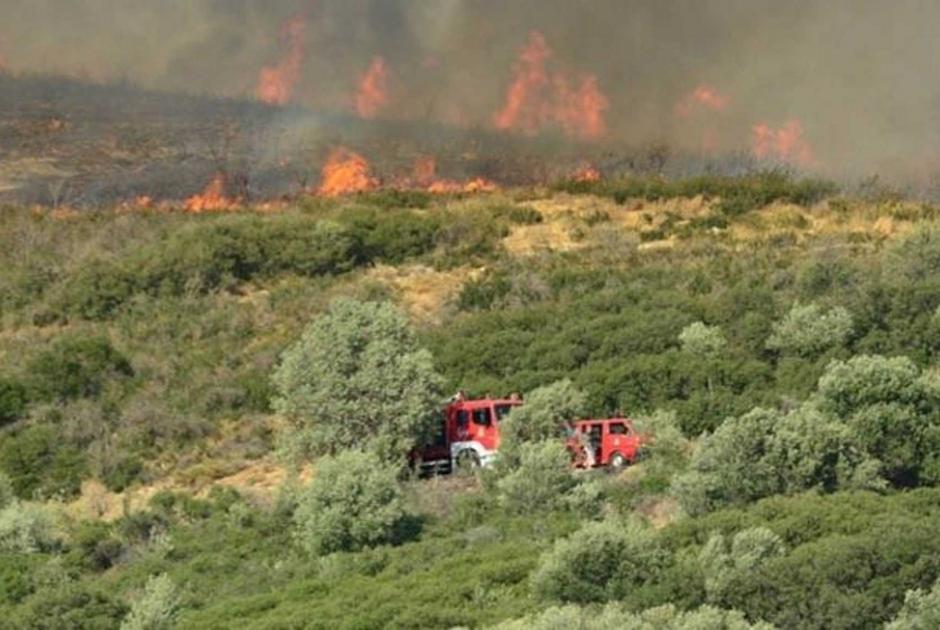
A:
(467, 460)
(617, 460)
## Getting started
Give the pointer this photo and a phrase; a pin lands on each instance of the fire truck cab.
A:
(609, 442)
(468, 434)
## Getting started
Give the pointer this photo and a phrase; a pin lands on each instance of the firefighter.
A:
(515, 397)
(460, 396)
(587, 445)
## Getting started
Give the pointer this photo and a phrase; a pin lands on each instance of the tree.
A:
(541, 481)
(767, 452)
(599, 562)
(702, 340)
(808, 331)
(352, 502)
(27, 528)
(722, 566)
(77, 367)
(893, 411)
(615, 617)
(156, 608)
(544, 415)
(921, 610)
(13, 399)
(728, 466)
(357, 379)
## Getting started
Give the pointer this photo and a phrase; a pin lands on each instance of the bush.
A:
(921, 610)
(541, 480)
(602, 561)
(702, 340)
(354, 501)
(544, 416)
(892, 409)
(357, 379)
(7, 495)
(766, 452)
(37, 462)
(156, 608)
(808, 331)
(614, 617)
(13, 399)
(77, 367)
(26, 528)
(722, 565)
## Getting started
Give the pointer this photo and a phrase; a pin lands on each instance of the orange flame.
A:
(212, 199)
(786, 144)
(537, 98)
(373, 89)
(586, 173)
(345, 172)
(703, 97)
(424, 175)
(276, 83)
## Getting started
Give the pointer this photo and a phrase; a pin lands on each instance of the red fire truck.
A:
(468, 434)
(609, 442)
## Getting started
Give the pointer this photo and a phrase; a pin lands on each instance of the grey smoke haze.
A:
(861, 75)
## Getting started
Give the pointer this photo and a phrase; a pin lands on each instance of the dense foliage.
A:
(782, 359)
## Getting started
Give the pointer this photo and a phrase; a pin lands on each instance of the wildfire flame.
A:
(538, 98)
(276, 83)
(786, 143)
(345, 172)
(372, 95)
(212, 199)
(424, 175)
(586, 173)
(703, 97)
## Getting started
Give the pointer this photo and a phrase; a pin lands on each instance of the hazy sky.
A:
(859, 75)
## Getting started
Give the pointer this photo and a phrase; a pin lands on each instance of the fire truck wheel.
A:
(468, 460)
(617, 460)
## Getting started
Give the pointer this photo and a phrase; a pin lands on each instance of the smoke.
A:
(857, 76)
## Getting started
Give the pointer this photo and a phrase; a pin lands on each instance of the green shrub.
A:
(68, 604)
(723, 565)
(27, 528)
(921, 610)
(543, 417)
(39, 463)
(893, 411)
(77, 367)
(614, 617)
(602, 561)
(808, 330)
(702, 340)
(156, 608)
(540, 481)
(357, 378)
(13, 399)
(354, 501)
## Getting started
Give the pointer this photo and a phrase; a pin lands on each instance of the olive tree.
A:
(723, 564)
(599, 562)
(157, 606)
(702, 340)
(616, 617)
(808, 331)
(893, 411)
(541, 480)
(921, 610)
(543, 417)
(350, 504)
(357, 379)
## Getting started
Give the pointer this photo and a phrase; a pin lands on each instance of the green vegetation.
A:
(204, 419)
